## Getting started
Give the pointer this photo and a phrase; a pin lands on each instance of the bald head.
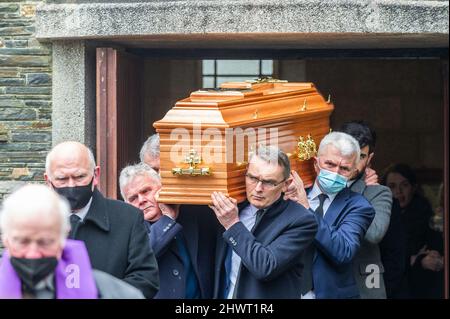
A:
(34, 212)
(68, 153)
(71, 164)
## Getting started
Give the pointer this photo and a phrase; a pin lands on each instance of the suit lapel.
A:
(97, 213)
(337, 206)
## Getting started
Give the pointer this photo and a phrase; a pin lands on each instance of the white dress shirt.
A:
(313, 199)
(248, 217)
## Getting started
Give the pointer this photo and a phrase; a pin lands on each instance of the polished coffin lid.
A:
(205, 138)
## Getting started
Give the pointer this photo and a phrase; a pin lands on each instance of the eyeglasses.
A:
(265, 184)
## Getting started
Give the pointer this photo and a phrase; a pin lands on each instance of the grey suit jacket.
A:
(368, 259)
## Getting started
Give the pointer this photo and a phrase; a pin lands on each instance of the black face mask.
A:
(78, 196)
(32, 271)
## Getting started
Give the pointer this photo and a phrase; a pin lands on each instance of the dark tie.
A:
(319, 210)
(308, 256)
(259, 215)
(192, 290)
(74, 224)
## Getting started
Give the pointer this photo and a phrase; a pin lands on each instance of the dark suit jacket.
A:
(337, 241)
(393, 249)
(271, 256)
(117, 243)
(198, 226)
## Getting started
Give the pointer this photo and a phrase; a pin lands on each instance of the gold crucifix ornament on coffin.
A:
(205, 139)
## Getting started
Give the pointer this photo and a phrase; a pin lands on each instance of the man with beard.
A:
(112, 231)
(368, 268)
(39, 263)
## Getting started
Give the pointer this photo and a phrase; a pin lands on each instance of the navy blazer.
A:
(338, 239)
(198, 226)
(271, 264)
(117, 243)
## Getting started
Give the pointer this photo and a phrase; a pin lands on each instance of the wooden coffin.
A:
(205, 138)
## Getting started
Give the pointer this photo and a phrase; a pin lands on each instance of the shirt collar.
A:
(316, 191)
(83, 211)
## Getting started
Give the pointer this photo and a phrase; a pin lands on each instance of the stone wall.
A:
(25, 97)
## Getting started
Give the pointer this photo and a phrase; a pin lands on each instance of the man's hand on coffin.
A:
(169, 210)
(371, 177)
(225, 208)
(296, 191)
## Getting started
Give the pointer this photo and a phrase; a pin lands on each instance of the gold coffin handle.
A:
(193, 159)
(306, 148)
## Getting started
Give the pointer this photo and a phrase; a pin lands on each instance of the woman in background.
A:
(424, 245)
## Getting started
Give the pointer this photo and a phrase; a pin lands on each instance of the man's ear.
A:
(96, 180)
(369, 160)
(316, 164)
(286, 184)
(47, 180)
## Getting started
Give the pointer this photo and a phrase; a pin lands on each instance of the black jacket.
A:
(199, 226)
(271, 256)
(117, 243)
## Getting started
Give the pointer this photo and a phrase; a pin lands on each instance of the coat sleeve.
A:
(382, 204)
(341, 242)
(161, 234)
(266, 262)
(142, 268)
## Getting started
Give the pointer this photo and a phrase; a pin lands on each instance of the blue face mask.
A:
(331, 182)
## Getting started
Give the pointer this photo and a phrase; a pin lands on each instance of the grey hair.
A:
(33, 199)
(49, 156)
(150, 147)
(272, 154)
(131, 171)
(345, 143)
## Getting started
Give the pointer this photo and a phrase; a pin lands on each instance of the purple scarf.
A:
(74, 277)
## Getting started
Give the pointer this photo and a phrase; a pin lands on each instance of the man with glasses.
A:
(343, 217)
(263, 239)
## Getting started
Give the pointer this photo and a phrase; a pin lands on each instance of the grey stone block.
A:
(8, 7)
(38, 79)
(38, 104)
(25, 51)
(95, 20)
(11, 81)
(28, 90)
(11, 103)
(24, 60)
(15, 43)
(31, 137)
(10, 114)
(8, 147)
(13, 31)
(73, 102)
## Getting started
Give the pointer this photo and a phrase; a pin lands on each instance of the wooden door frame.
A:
(106, 120)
